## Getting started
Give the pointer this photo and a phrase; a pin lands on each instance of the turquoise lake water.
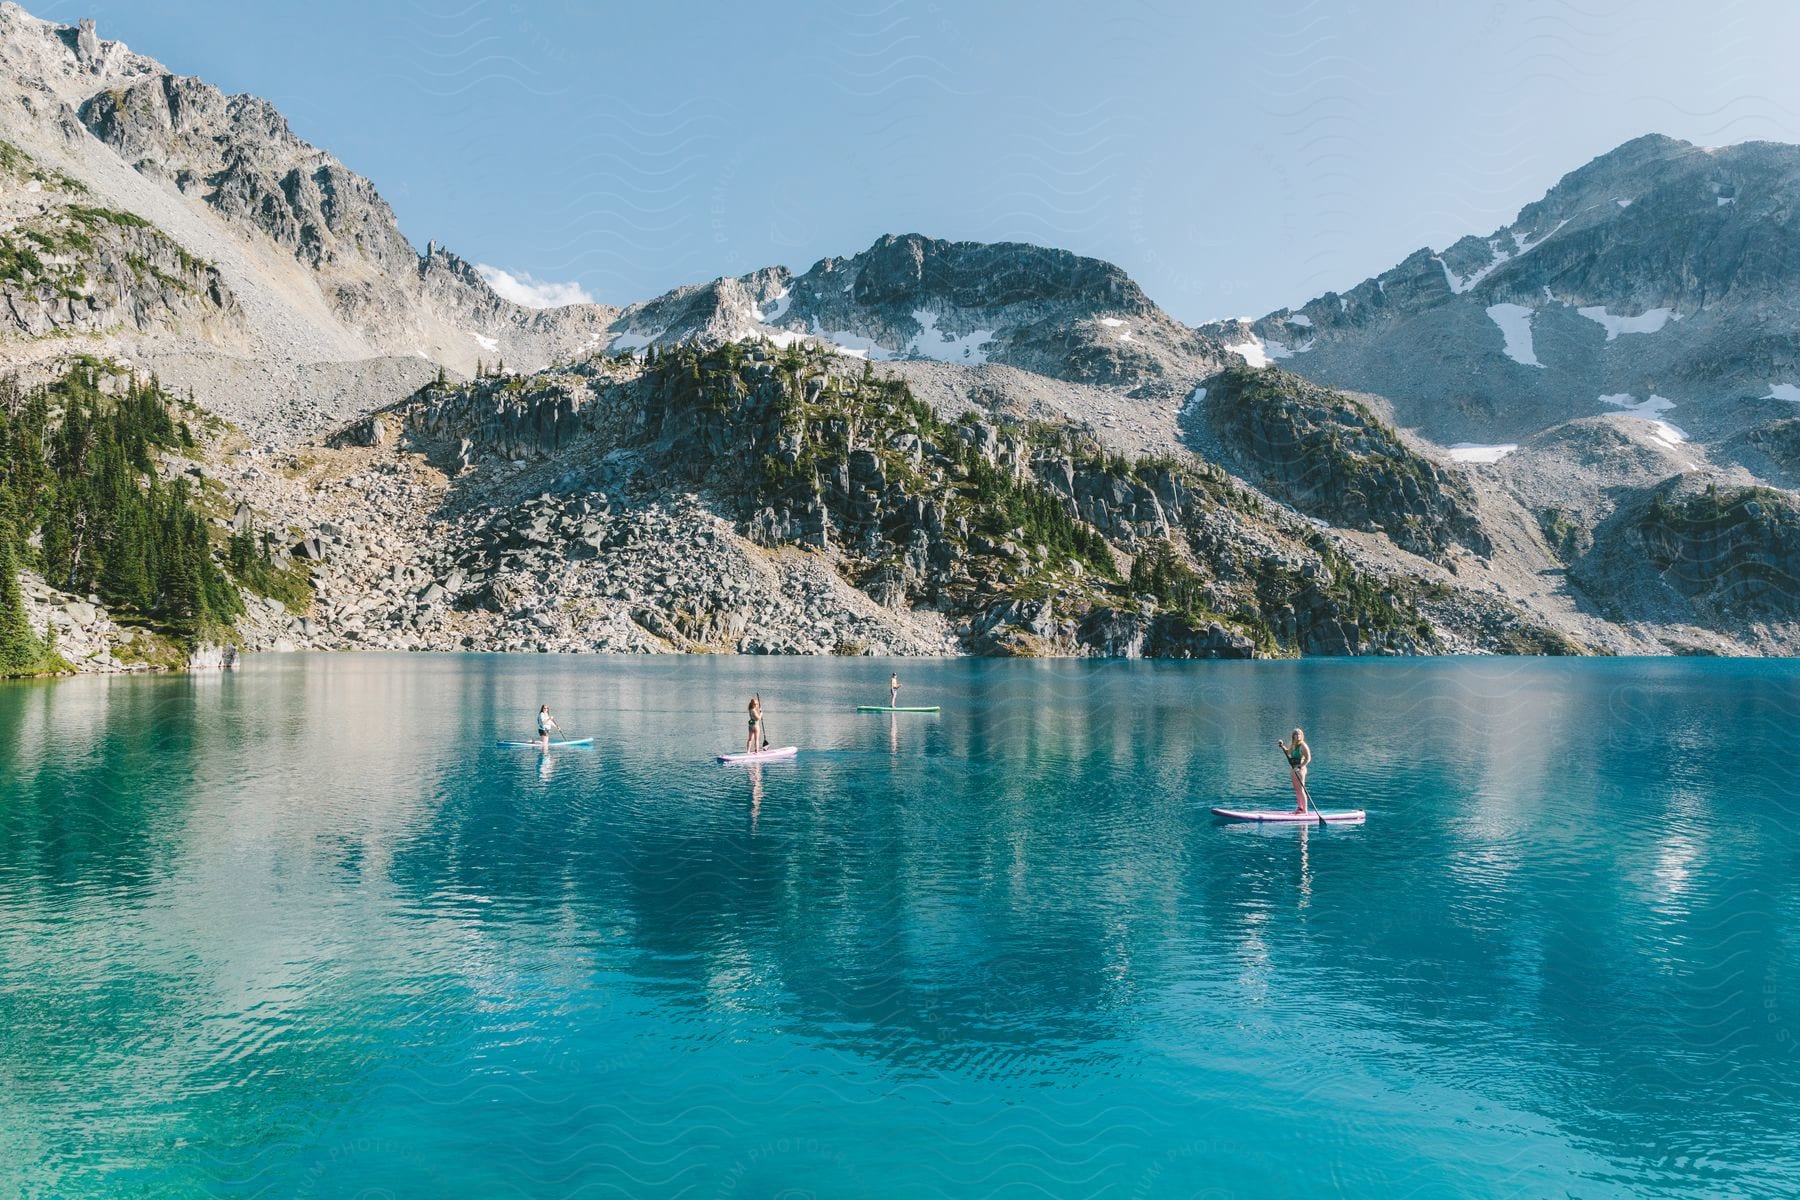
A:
(304, 931)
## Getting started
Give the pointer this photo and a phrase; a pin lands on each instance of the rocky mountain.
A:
(297, 301)
(1629, 345)
(751, 499)
(1657, 281)
(918, 299)
(1573, 435)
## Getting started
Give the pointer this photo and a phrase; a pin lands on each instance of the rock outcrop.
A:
(1331, 456)
(70, 267)
(1734, 554)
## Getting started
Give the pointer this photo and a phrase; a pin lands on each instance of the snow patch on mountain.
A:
(778, 305)
(1470, 452)
(855, 345)
(1460, 284)
(633, 341)
(1526, 245)
(1521, 245)
(933, 343)
(1650, 410)
(781, 339)
(1514, 321)
(1649, 321)
(1784, 391)
(1259, 352)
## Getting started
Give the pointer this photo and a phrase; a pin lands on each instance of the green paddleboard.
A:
(885, 708)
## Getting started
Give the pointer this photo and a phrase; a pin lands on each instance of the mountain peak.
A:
(65, 61)
(905, 267)
(308, 267)
(1658, 276)
(909, 296)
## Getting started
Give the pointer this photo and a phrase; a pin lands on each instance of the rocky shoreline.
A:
(548, 515)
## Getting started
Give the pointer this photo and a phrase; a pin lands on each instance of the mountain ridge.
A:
(1657, 269)
(313, 255)
(928, 446)
(918, 298)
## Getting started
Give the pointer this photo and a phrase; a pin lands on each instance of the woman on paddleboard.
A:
(1299, 756)
(546, 723)
(894, 690)
(753, 743)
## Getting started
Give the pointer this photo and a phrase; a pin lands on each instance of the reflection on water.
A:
(305, 930)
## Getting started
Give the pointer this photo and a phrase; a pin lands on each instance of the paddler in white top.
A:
(546, 723)
(894, 690)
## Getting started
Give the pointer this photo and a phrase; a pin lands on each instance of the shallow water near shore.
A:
(303, 930)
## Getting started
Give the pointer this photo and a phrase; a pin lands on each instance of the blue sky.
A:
(1232, 157)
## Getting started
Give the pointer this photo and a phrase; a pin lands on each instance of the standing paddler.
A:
(754, 742)
(1299, 756)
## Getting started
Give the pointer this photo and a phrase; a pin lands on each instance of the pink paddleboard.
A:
(1287, 816)
(760, 755)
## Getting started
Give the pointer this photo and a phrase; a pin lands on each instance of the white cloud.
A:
(521, 288)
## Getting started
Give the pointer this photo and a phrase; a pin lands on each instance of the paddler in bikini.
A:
(753, 743)
(894, 690)
(1299, 756)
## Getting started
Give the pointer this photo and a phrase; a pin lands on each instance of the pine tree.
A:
(181, 602)
(79, 470)
(20, 650)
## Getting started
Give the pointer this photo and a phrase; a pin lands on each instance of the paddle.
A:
(1304, 790)
(762, 723)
